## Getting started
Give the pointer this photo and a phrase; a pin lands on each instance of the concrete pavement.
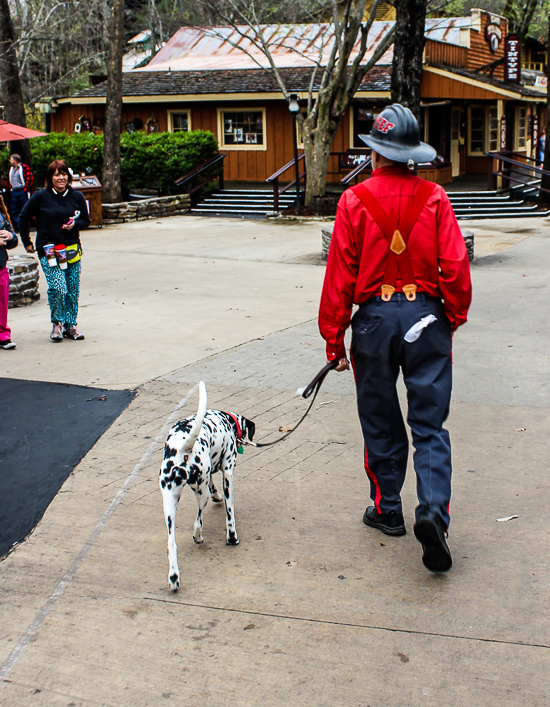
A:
(312, 608)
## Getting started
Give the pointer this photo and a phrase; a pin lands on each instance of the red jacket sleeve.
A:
(339, 285)
(454, 268)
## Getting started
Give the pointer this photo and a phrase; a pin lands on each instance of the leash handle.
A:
(319, 378)
(314, 387)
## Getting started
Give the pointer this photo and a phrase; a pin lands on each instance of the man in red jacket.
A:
(398, 253)
(21, 184)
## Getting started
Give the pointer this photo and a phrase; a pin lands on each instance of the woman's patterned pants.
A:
(63, 291)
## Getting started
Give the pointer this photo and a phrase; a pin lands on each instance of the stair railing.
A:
(343, 166)
(506, 165)
(274, 180)
(217, 159)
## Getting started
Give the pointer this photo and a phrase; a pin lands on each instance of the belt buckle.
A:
(387, 292)
(410, 292)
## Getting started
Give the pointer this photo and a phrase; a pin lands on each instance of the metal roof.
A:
(209, 48)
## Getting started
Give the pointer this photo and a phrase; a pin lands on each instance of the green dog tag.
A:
(240, 450)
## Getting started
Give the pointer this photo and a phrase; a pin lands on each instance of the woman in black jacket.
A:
(8, 240)
(61, 213)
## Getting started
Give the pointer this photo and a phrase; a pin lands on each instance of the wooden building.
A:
(201, 80)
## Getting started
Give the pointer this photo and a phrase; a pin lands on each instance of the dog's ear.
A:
(250, 429)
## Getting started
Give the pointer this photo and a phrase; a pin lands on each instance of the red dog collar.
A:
(239, 432)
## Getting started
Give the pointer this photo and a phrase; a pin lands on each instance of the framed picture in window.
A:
(239, 135)
(77, 127)
(228, 126)
(251, 139)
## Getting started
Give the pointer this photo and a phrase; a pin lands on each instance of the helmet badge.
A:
(383, 125)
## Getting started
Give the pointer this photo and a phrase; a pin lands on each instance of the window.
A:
(476, 142)
(521, 129)
(242, 129)
(179, 121)
(493, 129)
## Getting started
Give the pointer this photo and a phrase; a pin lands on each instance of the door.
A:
(455, 140)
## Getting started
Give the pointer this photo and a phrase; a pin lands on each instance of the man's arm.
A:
(454, 268)
(339, 285)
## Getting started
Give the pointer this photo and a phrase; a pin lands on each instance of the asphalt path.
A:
(45, 430)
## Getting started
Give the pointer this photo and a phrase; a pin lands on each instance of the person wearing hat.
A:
(397, 251)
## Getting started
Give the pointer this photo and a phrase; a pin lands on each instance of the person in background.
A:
(541, 146)
(61, 213)
(21, 185)
(8, 240)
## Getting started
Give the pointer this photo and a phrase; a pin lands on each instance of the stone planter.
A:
(143, 209)
(24, 275)
(326, 235)
(325, 205)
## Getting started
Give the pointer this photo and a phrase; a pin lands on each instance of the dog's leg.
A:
(201, 494)
(170, 500)
(216, 495)
(227, 471)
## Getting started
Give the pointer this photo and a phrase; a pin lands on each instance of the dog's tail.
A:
(195, 430)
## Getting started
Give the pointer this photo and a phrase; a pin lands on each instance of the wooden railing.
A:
(200, 169)
(504, 165)
(351, 171)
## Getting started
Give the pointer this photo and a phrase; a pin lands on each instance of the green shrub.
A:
(147, 161)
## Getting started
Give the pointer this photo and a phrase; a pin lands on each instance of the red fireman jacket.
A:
(358, 254)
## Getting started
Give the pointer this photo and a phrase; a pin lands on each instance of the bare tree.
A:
(12, 95)
(112, 192)
(335, 74)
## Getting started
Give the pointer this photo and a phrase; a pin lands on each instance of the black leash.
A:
(314, 387)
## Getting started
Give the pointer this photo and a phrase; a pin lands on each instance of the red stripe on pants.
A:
(374, 480)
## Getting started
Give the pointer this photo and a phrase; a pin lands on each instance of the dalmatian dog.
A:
(195, 449)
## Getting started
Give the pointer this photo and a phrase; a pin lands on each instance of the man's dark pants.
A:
(379, 351)
(18, 200)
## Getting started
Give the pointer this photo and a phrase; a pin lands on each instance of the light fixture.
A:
(293, 105)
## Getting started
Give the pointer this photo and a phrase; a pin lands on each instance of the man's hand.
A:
(70, 223)
(5, 236)
(343, 365)
(30, 248)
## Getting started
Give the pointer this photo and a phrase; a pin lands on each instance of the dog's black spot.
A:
(198, 459)
(174, 578)
(169, 452)
(226, 491)
(163, 484)
(169, 523)
(169, 486)
(169, 465)
(178, 481)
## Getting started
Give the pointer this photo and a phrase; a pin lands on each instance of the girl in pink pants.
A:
(8, 240)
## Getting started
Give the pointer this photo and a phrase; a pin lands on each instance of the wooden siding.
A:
(240, 165)
(443, 54)
(480, 53)
(445, 87)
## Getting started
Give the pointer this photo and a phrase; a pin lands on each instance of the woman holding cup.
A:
(61, 213)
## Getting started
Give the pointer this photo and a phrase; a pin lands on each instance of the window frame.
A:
(170, 113)
(242, 146)
(517, 147)
(485, 131)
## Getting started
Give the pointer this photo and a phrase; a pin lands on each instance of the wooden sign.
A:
(512, 59)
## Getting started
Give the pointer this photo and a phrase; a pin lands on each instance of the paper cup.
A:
(61, 255)
(49, 252)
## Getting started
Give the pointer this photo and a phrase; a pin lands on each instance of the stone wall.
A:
(24, 274)
(143, 209)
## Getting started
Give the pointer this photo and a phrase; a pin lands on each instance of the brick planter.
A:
(326, 235)
(157, 207)
(24, 275)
